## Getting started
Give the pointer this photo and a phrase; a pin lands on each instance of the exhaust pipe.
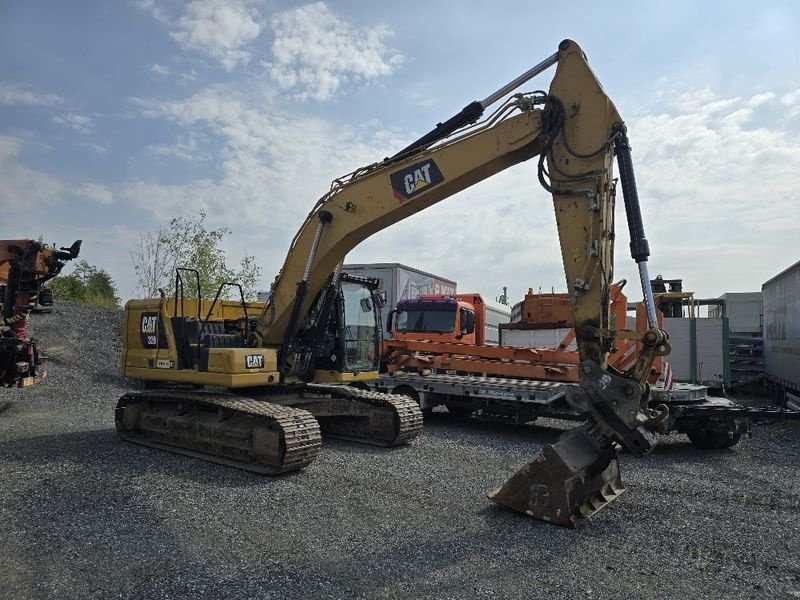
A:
(567, 482)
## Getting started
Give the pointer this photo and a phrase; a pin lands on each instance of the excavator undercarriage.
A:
(270, 431)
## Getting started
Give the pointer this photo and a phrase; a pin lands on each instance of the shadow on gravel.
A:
(537, 432)
(104, 453)
(494, 553)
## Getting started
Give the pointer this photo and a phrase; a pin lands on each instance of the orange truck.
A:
(458, 318)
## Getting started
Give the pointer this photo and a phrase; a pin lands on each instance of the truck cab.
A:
(457, 318)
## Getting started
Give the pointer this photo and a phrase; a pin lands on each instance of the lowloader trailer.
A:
(710, 422)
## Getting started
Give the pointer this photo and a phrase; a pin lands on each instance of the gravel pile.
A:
(84, 515)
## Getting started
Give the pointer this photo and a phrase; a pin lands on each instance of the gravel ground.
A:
(84, 515)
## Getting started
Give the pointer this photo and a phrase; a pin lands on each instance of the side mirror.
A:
(468, 321)
(382, 298)
(390, 320)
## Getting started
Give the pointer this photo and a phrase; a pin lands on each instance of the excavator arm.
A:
(575, 131)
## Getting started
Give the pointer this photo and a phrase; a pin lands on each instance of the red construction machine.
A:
(25, 265)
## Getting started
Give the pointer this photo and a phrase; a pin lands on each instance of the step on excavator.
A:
(300, 358)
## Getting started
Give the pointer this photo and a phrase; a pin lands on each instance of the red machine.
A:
(25, 265)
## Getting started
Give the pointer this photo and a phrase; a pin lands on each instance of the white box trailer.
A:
(700, 350)
(781, 305)
(401, 282)
(743, 310)
(521, 337)
(496, 314)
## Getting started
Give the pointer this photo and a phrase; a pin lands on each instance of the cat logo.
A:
(254, 361)
(415, 179)
(165, 364)
(149, 322)
(152, 335)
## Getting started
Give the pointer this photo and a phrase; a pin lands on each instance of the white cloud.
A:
(20, 186)
(791, 98)
(791, 102)
(95, 192)
(760, 99)
(191, 75)
(187, 149)
(273, 167)
(10, 147)
(219, 28)
(96, 148)
(160, 71)
(718, 193)
(151, 7)
(80, 123)
(315, 52)
(13, 93)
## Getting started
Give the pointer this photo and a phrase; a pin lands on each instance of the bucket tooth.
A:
(568, 481)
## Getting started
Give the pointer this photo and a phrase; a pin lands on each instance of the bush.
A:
(88, 285)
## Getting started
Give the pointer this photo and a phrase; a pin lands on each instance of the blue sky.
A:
(117, 116)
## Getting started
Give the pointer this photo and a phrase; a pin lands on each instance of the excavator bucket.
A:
(566, 483)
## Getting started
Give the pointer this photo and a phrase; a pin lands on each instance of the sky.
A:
(117, 116)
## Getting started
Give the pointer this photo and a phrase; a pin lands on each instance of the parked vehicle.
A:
(781, 298)
(458, 318)
(400, 282)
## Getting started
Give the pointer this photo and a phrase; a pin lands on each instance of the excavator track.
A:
(235, 431)
(359, 415)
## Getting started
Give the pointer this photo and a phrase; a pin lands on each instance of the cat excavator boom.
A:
(305, 333)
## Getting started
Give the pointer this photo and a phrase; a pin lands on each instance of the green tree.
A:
(187, 242)
(86, 284)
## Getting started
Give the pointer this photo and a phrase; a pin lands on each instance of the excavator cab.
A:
(343, 329)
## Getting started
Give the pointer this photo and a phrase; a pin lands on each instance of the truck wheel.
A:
(714, 440)
(407, 390)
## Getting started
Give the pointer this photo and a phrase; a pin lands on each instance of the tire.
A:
(779, 395)
(407, 390)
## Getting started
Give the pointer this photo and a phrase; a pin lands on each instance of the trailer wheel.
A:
(779, 395)
(407, 390)
(714, 440)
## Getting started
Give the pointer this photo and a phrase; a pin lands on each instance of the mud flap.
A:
(567, 482)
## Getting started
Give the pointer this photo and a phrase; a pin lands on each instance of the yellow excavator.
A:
(299, 359)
